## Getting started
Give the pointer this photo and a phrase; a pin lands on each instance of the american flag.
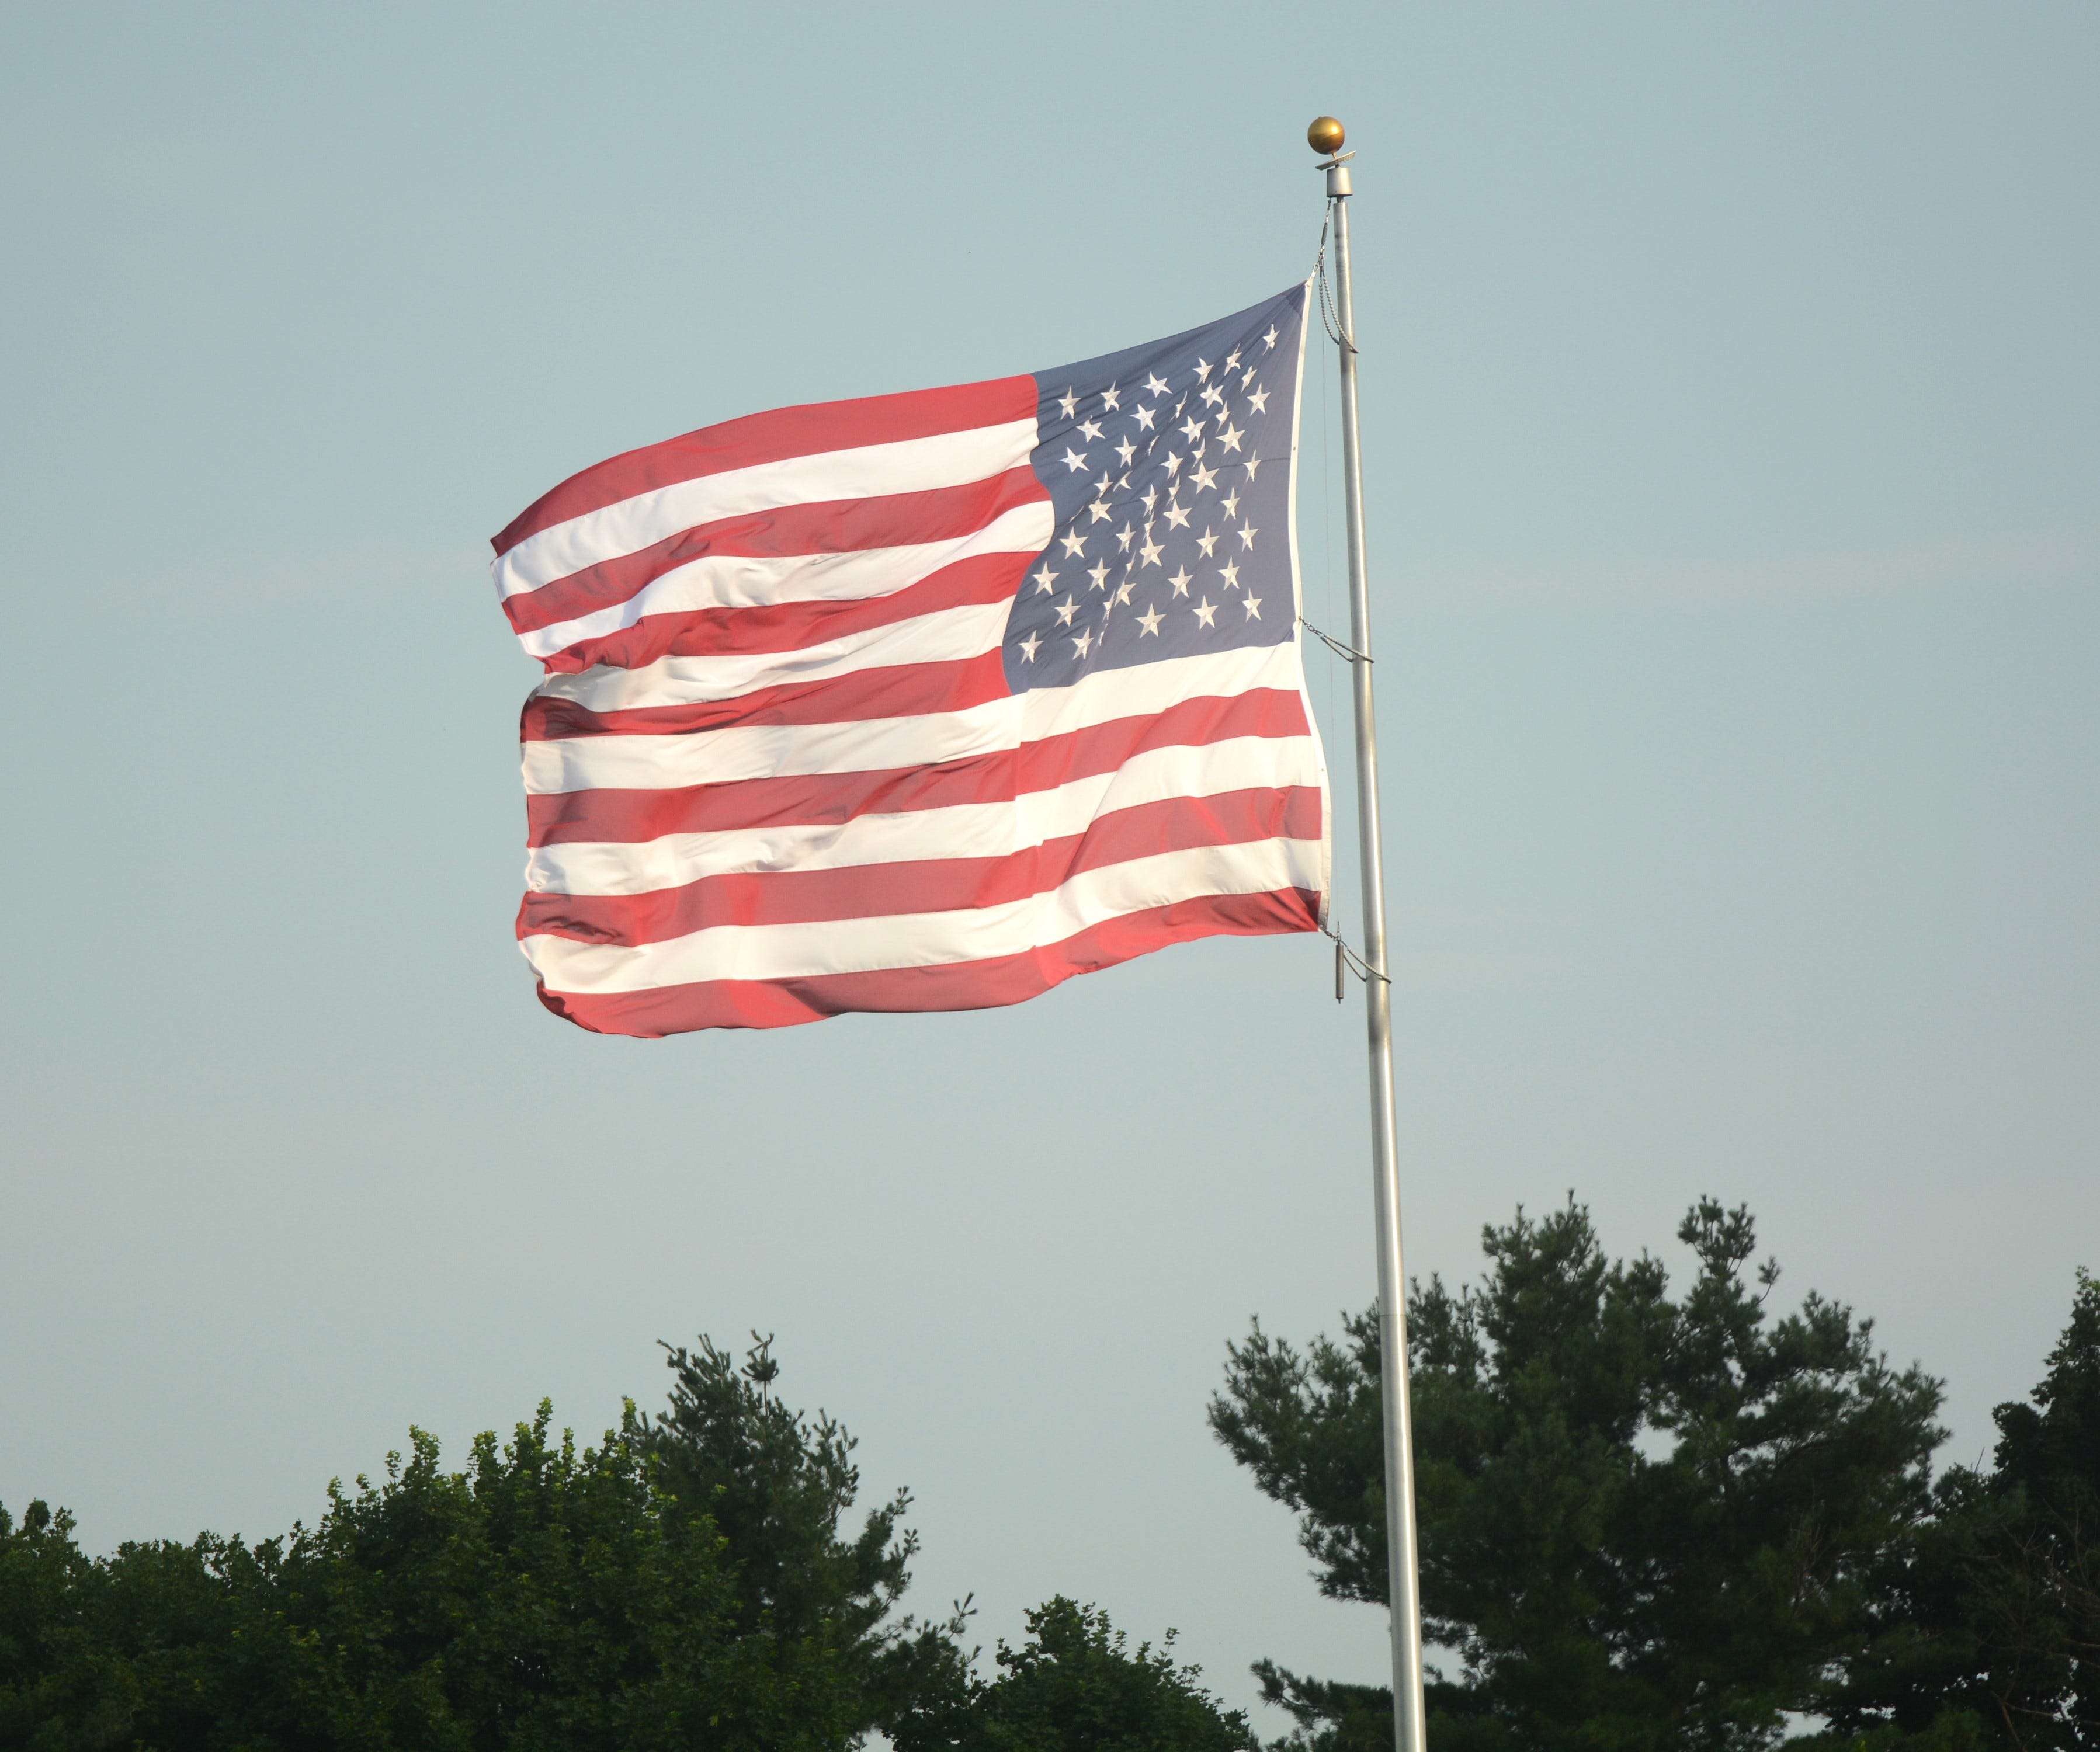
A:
(922, 702)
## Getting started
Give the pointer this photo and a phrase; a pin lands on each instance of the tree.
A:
(1989, 1620)
(690, 1582)
(2045, 1648)
(682, 1584)
(1076, 1686)
(1644, 1522)
(540, 1599)
(50, 1668)
(775, 1486)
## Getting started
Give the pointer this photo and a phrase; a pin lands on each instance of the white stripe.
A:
(759, 751)
(1145, 689)
(949, 636)
(959, 830)
(869, 471)
(735, 581)
(739, 751)
(920, 939)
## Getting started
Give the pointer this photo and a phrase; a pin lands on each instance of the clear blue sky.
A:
(1732, 424)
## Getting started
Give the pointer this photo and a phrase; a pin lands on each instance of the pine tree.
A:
(1645, 1522)
(1988, 1616)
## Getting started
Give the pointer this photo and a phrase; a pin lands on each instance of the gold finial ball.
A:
(1324, 135)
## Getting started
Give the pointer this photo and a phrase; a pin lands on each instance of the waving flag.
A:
(922, 702)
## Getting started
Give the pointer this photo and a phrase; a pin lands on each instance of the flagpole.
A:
(1326, 136)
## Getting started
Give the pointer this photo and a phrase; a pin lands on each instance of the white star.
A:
(1150, 621)
(1099, 572)
(1204, 610)
(1109, 397)
(1230, 437)
(1084, 643)
(1073, 461)
(1247, 534)
(1214, 396)
(1089, 430)
(1232, 505)
(1203, 370)
(1258, 401)
(1126, 450)
(1151, 499)
(1123, 536)
(1247, 379)
(1207, 541)
(1124, 590)
(1065, 610)
(1179, 581)
(1075, 544)
(1230, 572)
(1108, 608)
(1045, 578)
(1173, 465)
(1205, 477)
(1192, 429)
(1153, 383)
(1233, 360)
(1149, 553)
(1102, 485)
(1253, 467)
(1099, 510)
(1029, 646)
(1269, 340)
(1144, 417)
(1253, 606)
(1066, 403)
(1177, 515)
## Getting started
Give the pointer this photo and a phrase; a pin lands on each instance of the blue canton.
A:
(1169, 467)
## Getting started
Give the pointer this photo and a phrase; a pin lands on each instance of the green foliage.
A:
(1644, 1522)
(2044, 1641)
(775, 1485)
(1989, 1616)
(1076, 1686)
(50, 1668)
(1648, 1521)
(542, 1598)
(690, 1583)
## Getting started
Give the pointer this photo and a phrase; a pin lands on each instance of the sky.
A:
(1731, 426)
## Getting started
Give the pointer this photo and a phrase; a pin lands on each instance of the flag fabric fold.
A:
(922, 702)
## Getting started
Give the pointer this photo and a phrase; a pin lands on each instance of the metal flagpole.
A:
(1326, 136)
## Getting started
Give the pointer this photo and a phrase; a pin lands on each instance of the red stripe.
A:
(774, 436)
(902, 690)
(837, 525)
(793, 625)
(932, 885)
(631, 817)
(959, 985)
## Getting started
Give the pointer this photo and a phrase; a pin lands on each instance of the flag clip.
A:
(1346, 957)
(1348, 651)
